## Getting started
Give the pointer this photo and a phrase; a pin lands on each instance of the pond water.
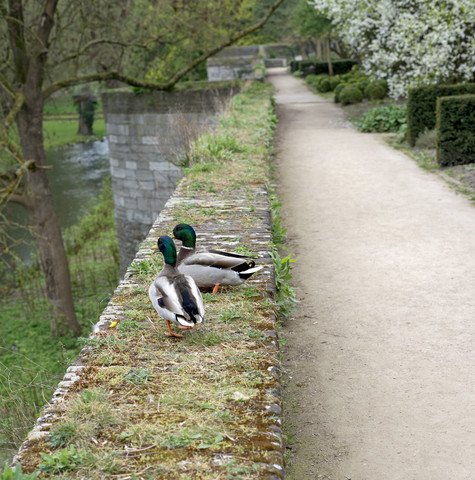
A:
(75, 176)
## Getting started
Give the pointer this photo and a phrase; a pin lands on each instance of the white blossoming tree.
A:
(409, 44)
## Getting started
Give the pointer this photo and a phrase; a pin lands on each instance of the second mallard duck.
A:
(210, 268)
(175, 296)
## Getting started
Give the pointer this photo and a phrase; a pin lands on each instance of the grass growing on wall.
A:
(148, 406)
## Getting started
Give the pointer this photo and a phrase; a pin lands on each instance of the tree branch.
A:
(5, 125)
(17, 105)
(234, 38)
(7, 87)
(19, 199)
(100, 77)
(93, 43)
(10, 182)
(68, 82)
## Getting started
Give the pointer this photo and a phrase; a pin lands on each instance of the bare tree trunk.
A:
(86, 104)
(319, 49)
(329, 57)
(46, 229)
(38, 201)
(341, 50)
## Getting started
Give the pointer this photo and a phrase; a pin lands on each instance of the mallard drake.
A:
(210, 268)
(175, 296)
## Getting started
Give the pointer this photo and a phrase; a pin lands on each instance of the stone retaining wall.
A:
(264, 448)
(148, 134)
(233, 63)
(207, 405)
(241, 62)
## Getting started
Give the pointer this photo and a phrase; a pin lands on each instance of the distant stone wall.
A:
(233, 63)
(147, 135)
(240, 62)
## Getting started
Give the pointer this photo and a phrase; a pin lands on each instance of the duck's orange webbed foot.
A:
(170, 333)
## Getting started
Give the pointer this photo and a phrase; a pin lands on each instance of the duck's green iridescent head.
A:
(168, 249)
(186, 234)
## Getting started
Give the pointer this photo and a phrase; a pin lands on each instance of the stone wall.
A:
(147, 135)
(233, 63)
(218, 387)
(241, 62)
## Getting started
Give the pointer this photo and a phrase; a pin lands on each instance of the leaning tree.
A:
(51, 45)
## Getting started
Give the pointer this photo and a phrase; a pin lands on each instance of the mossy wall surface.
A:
(138, 404)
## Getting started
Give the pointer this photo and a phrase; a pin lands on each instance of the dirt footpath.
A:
(379, 360)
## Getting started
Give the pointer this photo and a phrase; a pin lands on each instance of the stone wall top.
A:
(200, 406)
(193, 101)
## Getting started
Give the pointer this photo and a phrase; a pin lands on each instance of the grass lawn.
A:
(61, 131)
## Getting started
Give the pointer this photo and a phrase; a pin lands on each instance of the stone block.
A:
(130, 184)
(143, 174)
(114, 162)
(147, 185)
(131, 165)
(119, 172)
(150, 140)
(112, 139)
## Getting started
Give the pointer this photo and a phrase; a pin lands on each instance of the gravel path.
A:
(379, 360)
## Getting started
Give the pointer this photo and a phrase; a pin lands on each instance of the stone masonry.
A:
(148, 134)
(233, 63)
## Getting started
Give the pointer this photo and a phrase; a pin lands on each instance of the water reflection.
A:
(75, 177)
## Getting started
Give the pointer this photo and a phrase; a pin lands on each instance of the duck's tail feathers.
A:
(244, 266)
(184, 322)
(251, 271)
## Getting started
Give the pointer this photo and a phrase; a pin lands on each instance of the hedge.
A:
(309, 67)
(421, 106)
(351, 94)
(455, 127)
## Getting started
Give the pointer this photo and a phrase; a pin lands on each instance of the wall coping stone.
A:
(257, 239)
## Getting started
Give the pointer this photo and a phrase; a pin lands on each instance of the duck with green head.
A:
(174, 295)
(210, 268)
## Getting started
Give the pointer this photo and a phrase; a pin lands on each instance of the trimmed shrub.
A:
(362, 84)
(324, 85)
(307, 67)
(455, 127)
(311, 79)
(350, 94)
(334, 81)
(343, 66)
(421, 106)
(294, 65)
(384, 84)
(310, 67)
(375, 91)
(338, 90)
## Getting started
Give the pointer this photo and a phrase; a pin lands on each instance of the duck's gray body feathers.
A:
(212, 267)
(177, 298)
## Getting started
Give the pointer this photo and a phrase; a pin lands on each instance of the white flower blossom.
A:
(408, 43)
